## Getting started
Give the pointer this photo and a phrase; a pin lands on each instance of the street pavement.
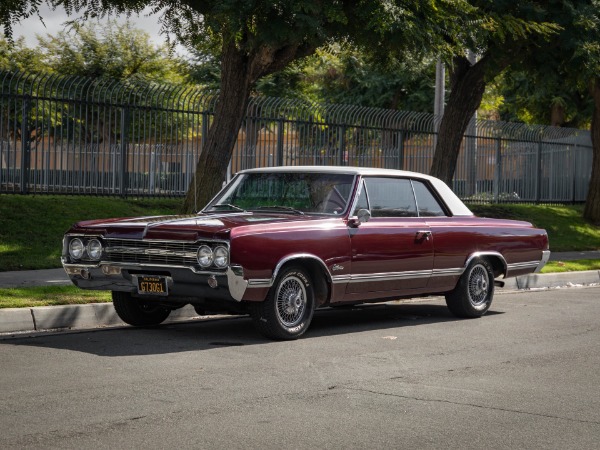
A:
(13, 320)
(384, 376)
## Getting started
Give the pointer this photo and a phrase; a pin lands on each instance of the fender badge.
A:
(337, 268)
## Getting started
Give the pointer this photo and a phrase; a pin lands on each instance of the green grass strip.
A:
(50, 295)
(571, 266)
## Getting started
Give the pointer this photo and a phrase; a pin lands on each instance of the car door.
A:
(393, 251)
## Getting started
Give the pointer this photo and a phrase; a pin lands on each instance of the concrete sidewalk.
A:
(29, 278)
(13, 320)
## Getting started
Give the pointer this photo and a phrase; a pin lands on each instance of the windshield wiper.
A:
(280, 208)
(228, 205)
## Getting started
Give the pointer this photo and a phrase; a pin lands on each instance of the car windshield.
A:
(287, 192)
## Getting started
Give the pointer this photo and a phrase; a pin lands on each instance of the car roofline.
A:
(454, 204)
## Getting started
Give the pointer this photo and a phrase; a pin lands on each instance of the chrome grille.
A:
(173, 253)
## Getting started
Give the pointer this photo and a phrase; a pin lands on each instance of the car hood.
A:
(183, 227)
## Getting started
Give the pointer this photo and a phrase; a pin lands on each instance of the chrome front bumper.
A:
(181, 281)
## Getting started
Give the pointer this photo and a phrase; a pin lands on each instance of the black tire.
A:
(288, 310)
(474, 292)
(137, 312)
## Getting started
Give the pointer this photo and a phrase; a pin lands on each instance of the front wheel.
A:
(137, 312)
(289, 307)
(474, 292)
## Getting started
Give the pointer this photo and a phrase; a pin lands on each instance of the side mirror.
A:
(362, 216)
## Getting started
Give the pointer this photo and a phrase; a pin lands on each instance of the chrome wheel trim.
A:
(291, 301)
(479, 285)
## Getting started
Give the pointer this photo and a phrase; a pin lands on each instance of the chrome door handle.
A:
(423, 235)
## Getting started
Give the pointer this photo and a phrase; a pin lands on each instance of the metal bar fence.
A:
(73, 135)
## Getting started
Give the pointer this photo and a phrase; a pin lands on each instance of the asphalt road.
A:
(384, 376)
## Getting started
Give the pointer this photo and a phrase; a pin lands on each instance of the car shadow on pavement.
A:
(199, 335)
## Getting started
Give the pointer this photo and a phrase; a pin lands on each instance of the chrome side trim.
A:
(337, 279)
(391, 276)
(448, 272)
(523, 265)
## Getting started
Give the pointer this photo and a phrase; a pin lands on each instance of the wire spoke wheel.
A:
(288, 309)
(479, 283)
(472, 296)
(291, 301)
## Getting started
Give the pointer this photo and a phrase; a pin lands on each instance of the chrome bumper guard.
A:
(544, 260)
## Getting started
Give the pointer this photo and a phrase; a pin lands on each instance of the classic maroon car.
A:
(276, 243)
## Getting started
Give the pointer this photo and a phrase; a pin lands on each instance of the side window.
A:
(362, 203)
(391, 197)
(427, 203)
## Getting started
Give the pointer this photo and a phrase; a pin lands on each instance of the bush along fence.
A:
(73, 135)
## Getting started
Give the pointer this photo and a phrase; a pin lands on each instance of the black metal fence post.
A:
(124, 147)
(538, 173)
(280, 131)
(25, 145)
(342, 157)
(498, 170)
(401, 150)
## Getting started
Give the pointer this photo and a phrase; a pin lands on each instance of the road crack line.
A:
(492, 408)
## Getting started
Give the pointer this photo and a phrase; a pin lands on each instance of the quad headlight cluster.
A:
(217, 257)
(88, 249)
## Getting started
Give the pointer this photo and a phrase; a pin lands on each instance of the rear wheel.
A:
(138, 312)
(474, 292)
(289, 307)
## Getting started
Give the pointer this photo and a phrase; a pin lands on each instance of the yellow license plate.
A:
(152, 285)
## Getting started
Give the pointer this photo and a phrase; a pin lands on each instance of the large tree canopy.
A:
(256, 38)
(501, 34)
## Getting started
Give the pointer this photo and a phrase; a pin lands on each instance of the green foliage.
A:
(552, 84)
(13, 11)
(17, 57)
(343, 73)
(114, 51)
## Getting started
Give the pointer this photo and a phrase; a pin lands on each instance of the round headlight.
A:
(221, 255)
(76, 248)
(94, 249)
(205, 256)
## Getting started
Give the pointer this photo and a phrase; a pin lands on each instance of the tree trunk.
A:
(240, 69)
(467, 88)
(557, 115)
(592, 203)
(217, 147)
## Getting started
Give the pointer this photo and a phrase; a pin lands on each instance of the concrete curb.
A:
(95, 315)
